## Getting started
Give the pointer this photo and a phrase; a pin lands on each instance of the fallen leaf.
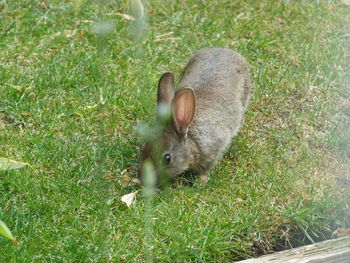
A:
(7, 164)
(341, 232)
(128, 199)
(345, 2)
(5, 231)
(126, 180)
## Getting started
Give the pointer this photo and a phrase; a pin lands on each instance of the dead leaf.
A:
(345, 2)
(126, 180)
(129, 199)
(341, 232)
(136, 181)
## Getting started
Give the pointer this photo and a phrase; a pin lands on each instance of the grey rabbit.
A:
(207, 111)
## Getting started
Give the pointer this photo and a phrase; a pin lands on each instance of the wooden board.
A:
(330, 251)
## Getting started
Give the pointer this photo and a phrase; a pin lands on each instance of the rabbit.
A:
(207, 111)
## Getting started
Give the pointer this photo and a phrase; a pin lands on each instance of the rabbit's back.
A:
(220, 79)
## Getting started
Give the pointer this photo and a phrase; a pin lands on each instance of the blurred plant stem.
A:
(149, 191)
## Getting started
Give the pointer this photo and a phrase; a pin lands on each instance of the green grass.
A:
(275, 187)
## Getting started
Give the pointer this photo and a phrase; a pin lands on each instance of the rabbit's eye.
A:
(167, 158)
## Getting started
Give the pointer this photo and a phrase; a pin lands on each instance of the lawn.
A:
(75, 84)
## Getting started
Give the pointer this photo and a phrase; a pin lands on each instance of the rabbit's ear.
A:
(166, 88)
(184, 105)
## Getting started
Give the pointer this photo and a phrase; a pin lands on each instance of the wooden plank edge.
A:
(329, 251)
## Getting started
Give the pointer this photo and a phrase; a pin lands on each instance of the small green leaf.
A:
(5, 231)
(7, 164)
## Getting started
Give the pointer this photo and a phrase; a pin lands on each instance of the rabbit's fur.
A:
(207, 111)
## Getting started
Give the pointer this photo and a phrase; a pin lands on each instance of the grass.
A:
(275, 188)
